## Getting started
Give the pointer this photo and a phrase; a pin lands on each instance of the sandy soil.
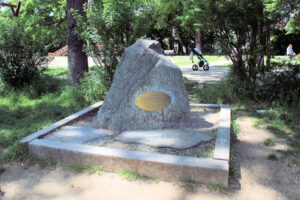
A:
(261, 179)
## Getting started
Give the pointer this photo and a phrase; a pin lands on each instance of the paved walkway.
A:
(214, 74)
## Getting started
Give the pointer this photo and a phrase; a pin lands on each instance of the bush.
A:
(21, 55)
(94, 87)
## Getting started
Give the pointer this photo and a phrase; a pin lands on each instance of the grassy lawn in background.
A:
(62, 71)
(57, 71)
(185, 60)
(48, 100)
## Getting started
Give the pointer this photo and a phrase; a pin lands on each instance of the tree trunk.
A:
(198, 39)
(77, 59)
(267, 44)
(253, 53)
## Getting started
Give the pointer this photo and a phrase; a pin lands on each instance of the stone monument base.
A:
(177, 156)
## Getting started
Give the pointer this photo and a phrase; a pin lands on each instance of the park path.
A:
(216, 72)
(261, 179)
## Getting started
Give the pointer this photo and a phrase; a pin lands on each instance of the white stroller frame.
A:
(202, 61)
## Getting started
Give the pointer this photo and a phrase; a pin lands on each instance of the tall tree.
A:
(77, 59)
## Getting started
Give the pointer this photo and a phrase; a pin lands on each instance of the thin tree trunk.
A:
(267, 44)
(253, 55)
(77, 59)
(198, 38)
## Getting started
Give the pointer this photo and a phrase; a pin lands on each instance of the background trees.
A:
(248, 28)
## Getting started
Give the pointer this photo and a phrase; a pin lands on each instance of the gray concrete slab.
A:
(166, 167)
(182, 138)
(79, 135)
(222, 146)
(46, 130)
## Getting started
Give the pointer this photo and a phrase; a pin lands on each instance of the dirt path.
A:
(261, 179)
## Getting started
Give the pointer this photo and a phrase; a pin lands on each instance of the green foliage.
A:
(277, 128)
(20, 54)
(272, 114)
(269, 142)
(14, 153)
(47, 21)
(189, 186)
(94, 86)
(131, 176)
(218, 188)
(85, 168)
(235, 129)
(233, 167)
(95, 170)
(24, 112)
(293, 25)
(286, 125)
(76, 168)
(243, 30)
(209, 152)
(219, 93)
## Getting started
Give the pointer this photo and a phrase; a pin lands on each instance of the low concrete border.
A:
(222, 146)
(46, 130)
(166, 167)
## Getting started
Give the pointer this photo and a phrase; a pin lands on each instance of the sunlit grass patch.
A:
(131, 176)
(269, 142)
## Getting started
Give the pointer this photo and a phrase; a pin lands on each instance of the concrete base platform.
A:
(155, 165)
(166, 167)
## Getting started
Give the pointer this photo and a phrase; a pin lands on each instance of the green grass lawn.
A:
(62, 71)
(185, 60)
(57, 71)
(50, 99)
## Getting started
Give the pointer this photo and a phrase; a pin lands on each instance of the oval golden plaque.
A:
(152, 101)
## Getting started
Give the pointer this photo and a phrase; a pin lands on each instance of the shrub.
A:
(94, 87)
(21, 54)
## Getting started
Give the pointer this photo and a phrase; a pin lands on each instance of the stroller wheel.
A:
(206, 67)
(195, 67)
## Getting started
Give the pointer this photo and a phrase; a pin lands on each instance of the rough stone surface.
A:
(144, 68)
(78, 135)
(174, 138)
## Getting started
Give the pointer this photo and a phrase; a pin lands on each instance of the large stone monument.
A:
(147, 92)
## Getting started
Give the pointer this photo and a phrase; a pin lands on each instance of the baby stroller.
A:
(202, 61)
